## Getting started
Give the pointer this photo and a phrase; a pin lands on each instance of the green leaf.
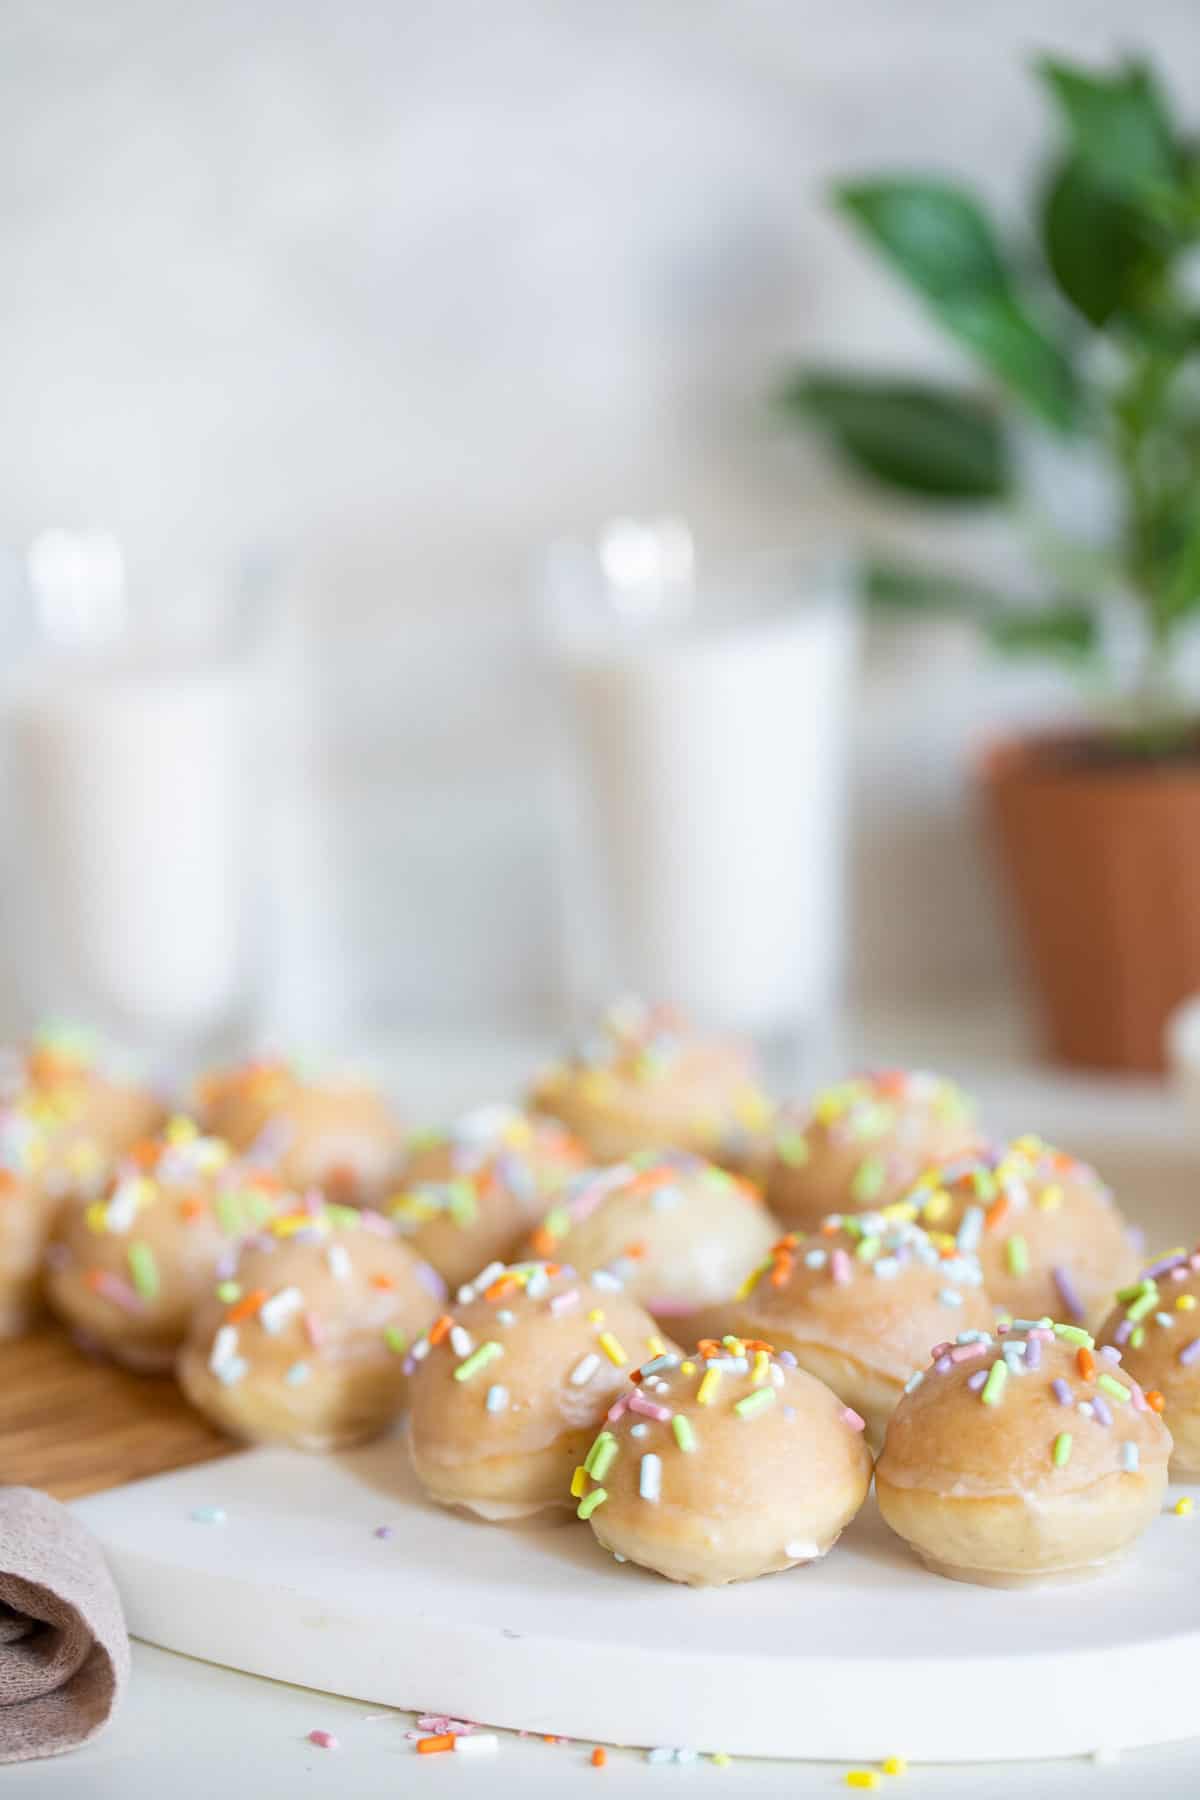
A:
(909, 587)
(1119, 124)
(1064, 629)
(942, 243)
(1097, 245)
(913, 435)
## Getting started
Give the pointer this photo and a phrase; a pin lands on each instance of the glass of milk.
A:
(702, 721)
(128, 873)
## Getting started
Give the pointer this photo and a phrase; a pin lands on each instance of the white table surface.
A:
(191, 1731)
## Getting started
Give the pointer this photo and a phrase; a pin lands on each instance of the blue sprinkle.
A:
(1129, 1456)
(497, 1399)
(209, 1515)
(297, 1374)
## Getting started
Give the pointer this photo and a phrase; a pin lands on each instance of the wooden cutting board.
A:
(75, 1426)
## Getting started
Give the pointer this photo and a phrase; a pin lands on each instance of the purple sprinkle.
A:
(1068, 1293)
(384, 1531)
(1100, 1409)
(786, 1358)
(1164, 1267)
(976, 1381)
(408, 1365)
(1124, 1331)
(1033, 1353)
(1190, 1352)
(1111, 1352)
(431, 1281)
(943, 1365)
(1062, 1392)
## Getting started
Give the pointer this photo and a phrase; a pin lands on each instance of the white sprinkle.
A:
(607, 1281)
(640, 1430)
(274, 1313)
(650, 1477)
(461, 1341)
(583, 1371)
(777, 1376)
(233, 1370)
(497, 1399)
(506, 1316)
(338, 1258)
(476, 1743)
(563, 1303)
(1087, 1409)
(298, 1374)
(420, 1350)
(224, 1348)
(914, 1381)
(665, 1199)
(485, 1277)
(950, 1297)
(815, 1259)
(1130, 1456)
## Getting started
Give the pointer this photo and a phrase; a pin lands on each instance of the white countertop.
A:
(192, 1730)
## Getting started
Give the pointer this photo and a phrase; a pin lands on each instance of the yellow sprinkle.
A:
(1050, 1197)
(1183, 1507)
(894, 1765)
(706, 1393)
(290, 1223)
(579, 1481)
(181, 1130)
(719, 1757)
(687, 1368)
(97, 1216)
(612, 1348)
(656, 1346)
(747, 1286)
(936, 1207)
(1185, 1303)
(762, 1364)
(595, 1317)
(862, 1778)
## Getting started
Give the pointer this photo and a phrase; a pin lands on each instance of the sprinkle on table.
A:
(1183, 1507)
(598, 1757)
(324, 1740)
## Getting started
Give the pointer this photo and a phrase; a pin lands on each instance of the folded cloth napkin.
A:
(64, 1650)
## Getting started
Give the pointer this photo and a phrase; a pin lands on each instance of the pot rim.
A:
(1026, 758)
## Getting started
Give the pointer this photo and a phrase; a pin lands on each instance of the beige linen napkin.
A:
(64, 1650)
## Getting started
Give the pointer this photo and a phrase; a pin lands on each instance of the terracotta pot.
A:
(1102, 858)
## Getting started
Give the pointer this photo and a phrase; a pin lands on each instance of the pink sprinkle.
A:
(375, 1221)
(119, 1292)
(618, 1409)
(839, 1265)
(440, 1723)
(314, 1330)
(939, 1350)
(976, 1381)
(967, 1352)
(668, 1306)
(638, 1403)
(854, 1420)
(325, 1739)
(1140, 1403)
(1041, 1334)
(562, 1303)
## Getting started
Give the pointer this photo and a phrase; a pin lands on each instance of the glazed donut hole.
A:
(644, 1079)
(508, 1389)
(65, 1116)
(26, 1214)
(1022, 1457)
(330, 1131)
(1155, 1324)
(127, 1270)
(304, 1336)
(862, 1143)
(471, 1193)
(677, 1232)
(1046, 1229)
(723, 1465)
(858, 1302)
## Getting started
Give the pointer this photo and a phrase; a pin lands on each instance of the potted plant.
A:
(1087, 332)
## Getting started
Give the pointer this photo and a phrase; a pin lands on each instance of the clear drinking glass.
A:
(130, 872)
(702, 716)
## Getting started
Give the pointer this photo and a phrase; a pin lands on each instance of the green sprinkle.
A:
(793, 1148)
(1062, 1449)
(144, 1269)
(590, 1502)
(395, 1339)
(1138, 1337)
(229, 1291)
(1075, 1334)
(230, 1213)
(558, 1222)
(346, 1218)
(1112, 1386)
(753, 1403)
(1017, 1253)
(478, 1359)
(685, 1437)
(1135, 1292)
(993, 1387)
(867, 1247)
(868, 1181)
(1143, 1304)
(463, 1208)
(600, 1458)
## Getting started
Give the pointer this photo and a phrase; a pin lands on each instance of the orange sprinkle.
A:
(246, 1307)
(1155, 1401)
(829, 1229)
(191, 1208)
(8, 1181)
(440, 1328)
(383, 1280)
(996, 1213)
(709, 1347)
(649, 1179)
(1087, 1363)
(636, 1251)
(599, 1757)
(94, 1279)
(781, 1274)
(543, 1242)
(145, 1153)
(503, 1284)
(758, 1344)
(431, 1745)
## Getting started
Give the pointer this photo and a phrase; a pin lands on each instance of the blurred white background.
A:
(402, 292)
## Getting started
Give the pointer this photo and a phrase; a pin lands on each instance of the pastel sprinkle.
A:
(1067, 1292)
(685, 1437)
(324, 1740)
(757, 1402)
(1130, 1457)
(1190, 1352)
(208, 1515)
(1062, 1449)
(590, 1502)
(479, 1359)
(497, 1399)
(993, 1387)
(650, 1477)
(840, 1266)
(1062, 1392)
(395, 1339)
(854, 1420)
(977, 1380)
(1017, 1255)
(228, 1292)
(612, 1349)
(583, 1371)
(144, 1269)
(706, 1393)
(579, 1481)
(602, 1455)
(476, 1743)
(297, 1374)
(1075, 1334)
(1112, 1386)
